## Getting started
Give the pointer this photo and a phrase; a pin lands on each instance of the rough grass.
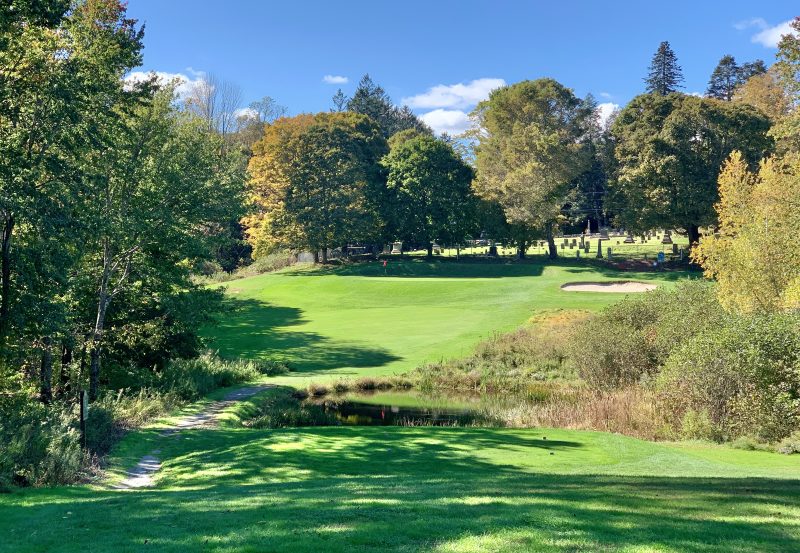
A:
(424, 489)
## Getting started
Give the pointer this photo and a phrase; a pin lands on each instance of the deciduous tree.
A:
(669, 150)
(533, 143)
(428, 191)
(754, 256)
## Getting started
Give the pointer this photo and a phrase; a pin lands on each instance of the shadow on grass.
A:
(344, 489)
(421, 268)
(253, 329)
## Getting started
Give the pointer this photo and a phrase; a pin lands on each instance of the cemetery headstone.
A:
(600, 249)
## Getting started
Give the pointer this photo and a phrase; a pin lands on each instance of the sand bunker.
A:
(625, 287)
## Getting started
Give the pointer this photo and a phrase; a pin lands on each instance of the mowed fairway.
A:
(363, 319)
(339, 489)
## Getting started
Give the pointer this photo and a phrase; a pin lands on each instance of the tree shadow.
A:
(410, 489)
(254, 329)
(422, 268)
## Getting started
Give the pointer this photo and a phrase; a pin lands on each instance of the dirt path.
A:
(141, 476)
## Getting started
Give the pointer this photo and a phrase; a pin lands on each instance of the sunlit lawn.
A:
(424, 489)
(364, 319)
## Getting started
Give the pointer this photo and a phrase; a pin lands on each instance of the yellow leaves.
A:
(755, 255)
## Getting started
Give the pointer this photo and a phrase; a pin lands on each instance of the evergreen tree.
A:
(371, 100)
(339, 102)
(665, 74)
(751, 69)
(728, 76)
(724, 79)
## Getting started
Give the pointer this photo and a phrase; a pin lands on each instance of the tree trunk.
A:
(551, 244)
(46, 371)
(521, 249)
(5, 275)
(316, 256)
(693, 231)
(430, 250)
(64, 376)
(325, 255)
(103, 299)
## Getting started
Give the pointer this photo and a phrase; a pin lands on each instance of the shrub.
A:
(790, 444)
(282, 409)
(745, 375)
(629, 341)
(40, 443)
(696, 425)
(194, 378)
(318, 390)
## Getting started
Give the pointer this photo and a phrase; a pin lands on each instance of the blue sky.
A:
(442, 56)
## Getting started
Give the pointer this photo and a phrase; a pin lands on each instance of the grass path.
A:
(363, 319)
(141, 475)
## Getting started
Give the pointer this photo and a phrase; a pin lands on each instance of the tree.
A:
(787, 130)
(148, 217)
(533, 143)
(429, 196)
(669, 150)
(339, 101)
(754, 256)
(314, 181)
(371, 100)
(728, 76)
(215, 101)
(750, 69)
(766, 93)
(665, 75)
(724, 79)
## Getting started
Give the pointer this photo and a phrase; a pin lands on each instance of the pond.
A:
(404, 409)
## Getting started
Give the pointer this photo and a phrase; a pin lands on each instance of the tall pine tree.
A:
(371, 100)
(665, 74)
(728, 76)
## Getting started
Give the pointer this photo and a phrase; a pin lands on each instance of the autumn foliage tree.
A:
(316, 183)
(754, 255)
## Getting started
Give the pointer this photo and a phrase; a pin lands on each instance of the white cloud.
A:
(451, 121)
(456, 97)
(334, 79)
(183, 87)
(249, 113)
(747, 23)
(767, 36)
(605, 110)
(606, 95)
(770, 36)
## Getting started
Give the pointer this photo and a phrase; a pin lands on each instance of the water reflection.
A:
(403, 409)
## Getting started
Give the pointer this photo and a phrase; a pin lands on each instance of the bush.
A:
(264, 264)
(629, 341)
(790, 444)
(281, 408)
(745, 375)
(40, 443)
(190, 379)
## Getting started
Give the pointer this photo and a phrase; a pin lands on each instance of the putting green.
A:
(367, 319)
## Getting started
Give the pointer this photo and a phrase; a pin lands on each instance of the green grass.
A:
(424, 489)
(361, 319)
(412, 489)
